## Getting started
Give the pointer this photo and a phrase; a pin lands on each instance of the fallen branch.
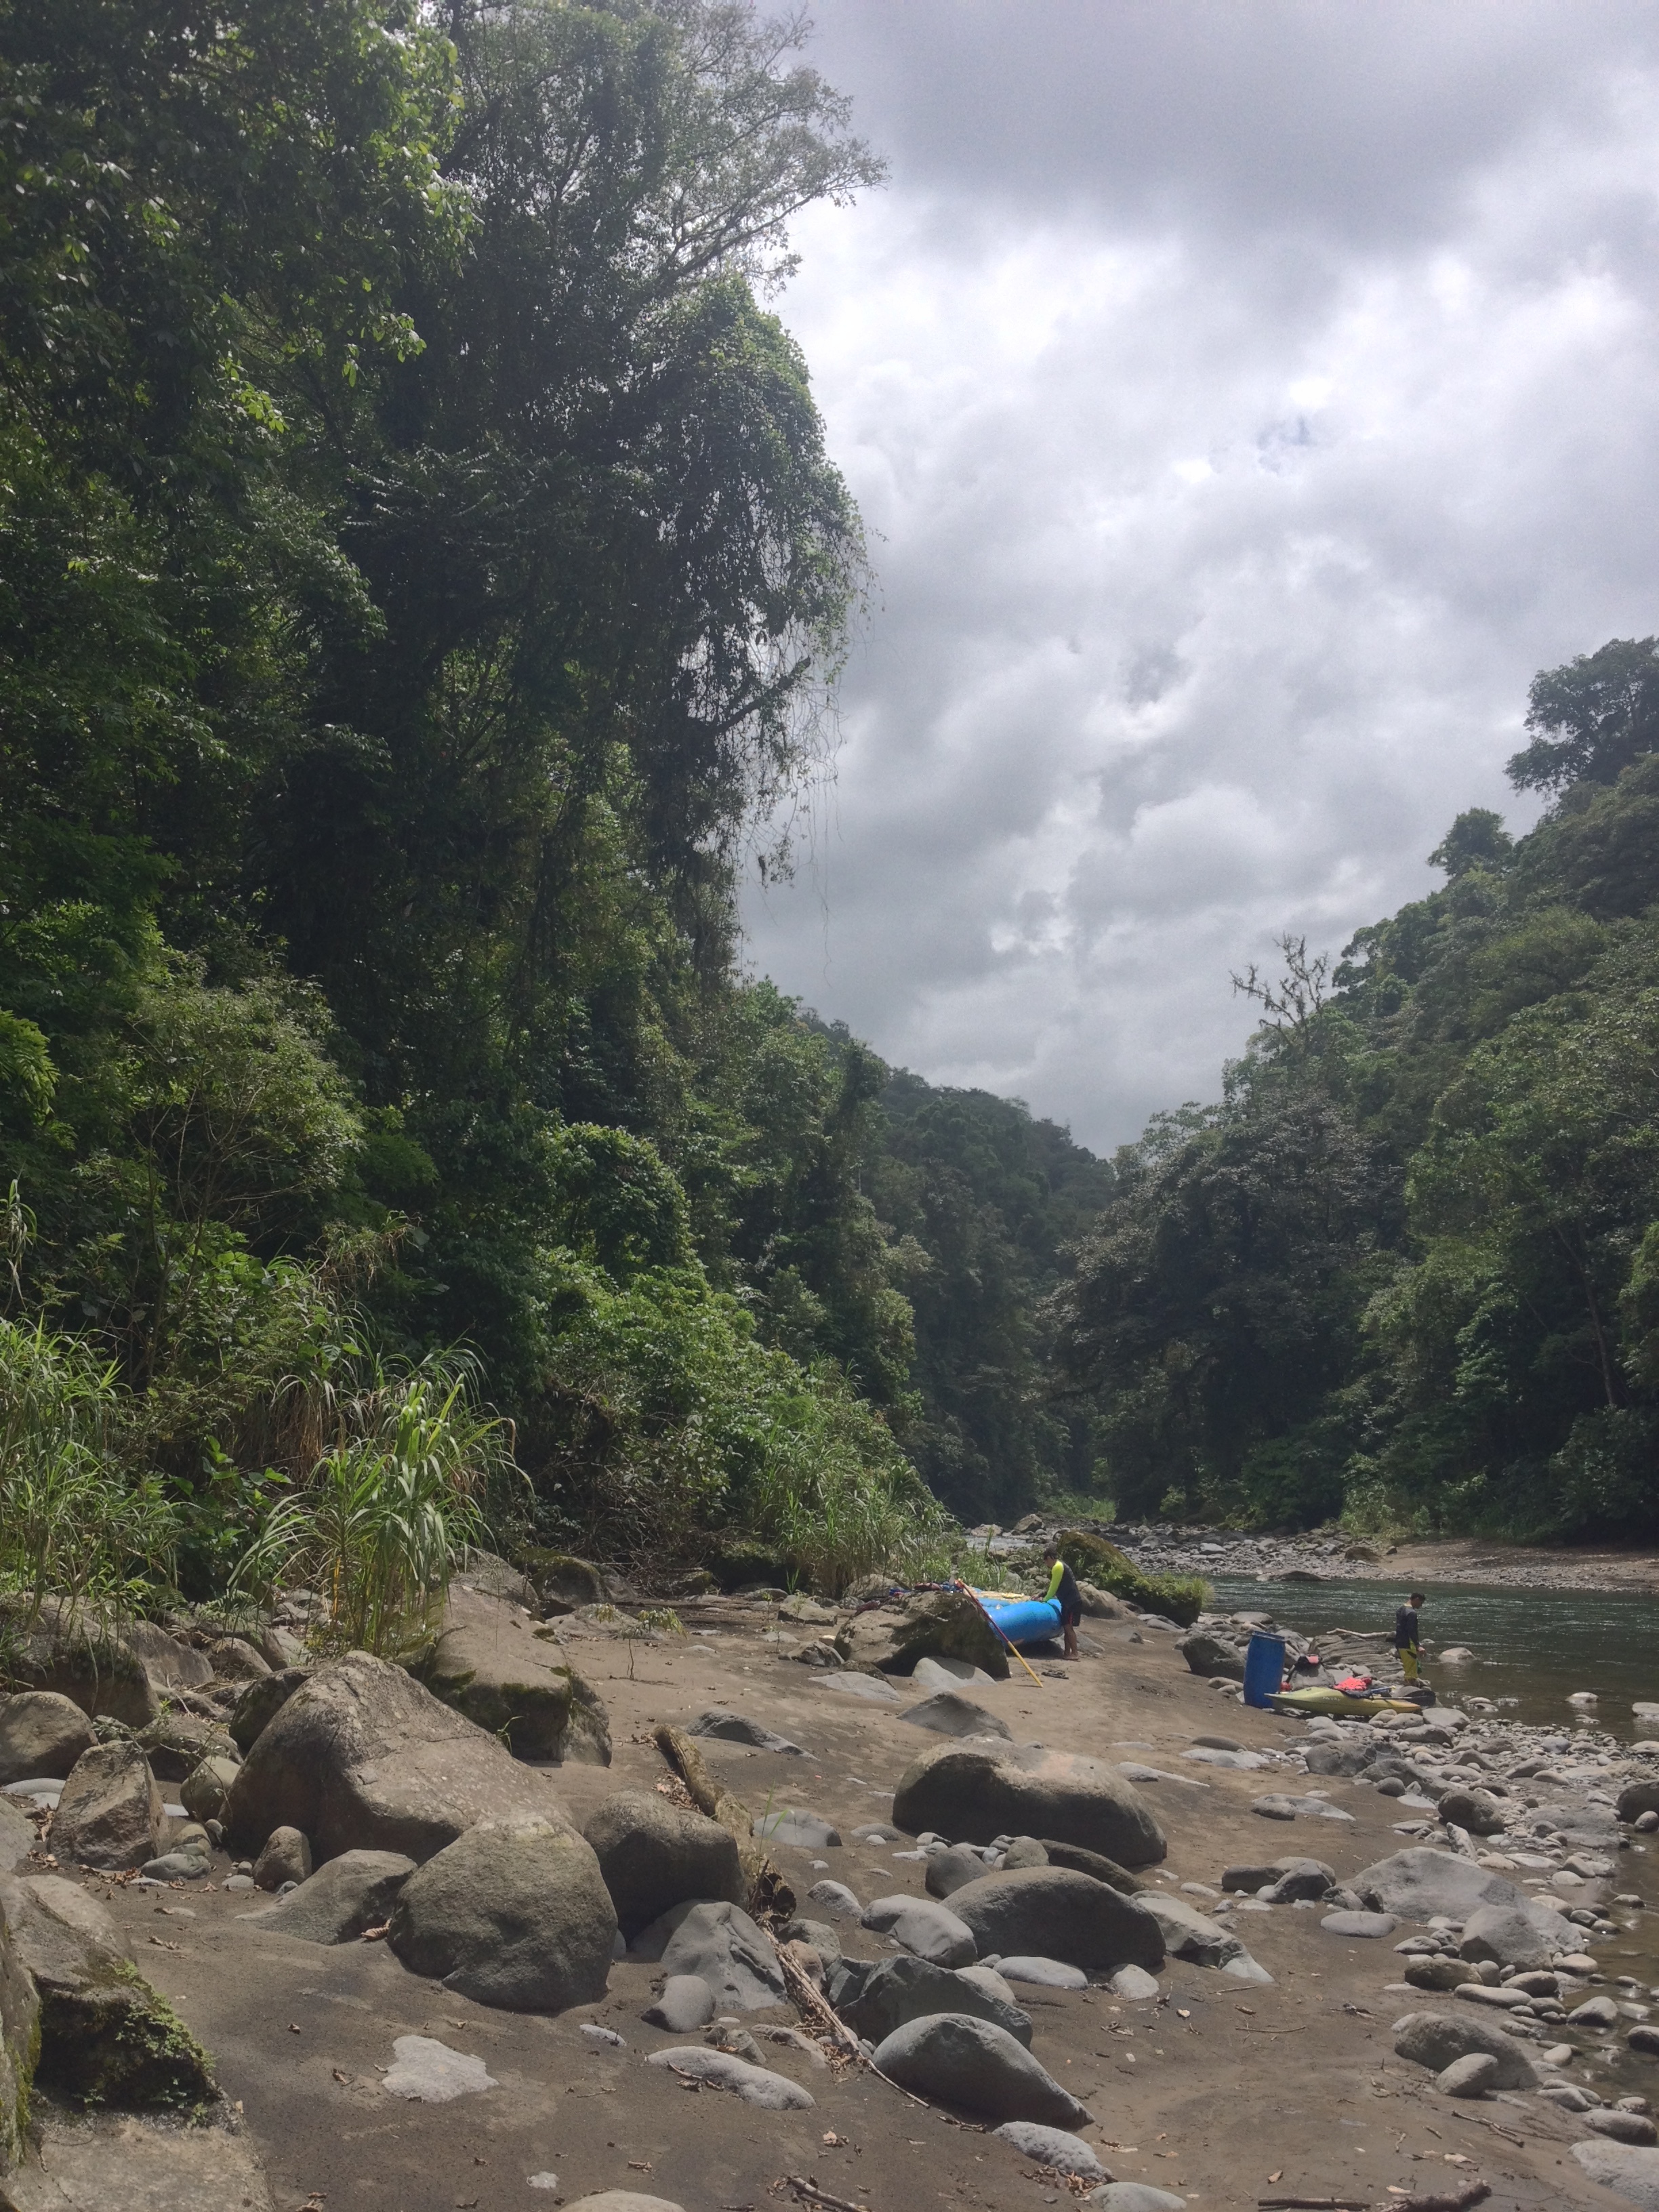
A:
(810, 2193)
(1476, 2193)
(767, 1885)
(818, 2007)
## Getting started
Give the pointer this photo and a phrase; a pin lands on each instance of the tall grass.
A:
(390, 1510)
(78, 1540)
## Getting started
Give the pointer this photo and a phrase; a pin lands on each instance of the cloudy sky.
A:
(1245, 398)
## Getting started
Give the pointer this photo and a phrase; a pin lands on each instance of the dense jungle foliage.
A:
(421, 580)
(1408, 1268)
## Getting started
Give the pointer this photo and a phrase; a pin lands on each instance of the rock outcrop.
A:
(491, 1662)
(514, 1913)
(653, 1855)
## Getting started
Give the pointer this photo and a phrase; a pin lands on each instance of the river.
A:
(1535, 1646)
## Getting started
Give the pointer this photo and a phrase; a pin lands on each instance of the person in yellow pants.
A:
(1063, 1591)
(1406, 1638)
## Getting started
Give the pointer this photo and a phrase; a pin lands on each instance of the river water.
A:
(1536, 1646)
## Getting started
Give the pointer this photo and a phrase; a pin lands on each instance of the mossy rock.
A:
(744, 1566)
(1178, 1597)
(562, 1581)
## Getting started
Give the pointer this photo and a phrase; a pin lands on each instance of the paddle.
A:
(997, 1625)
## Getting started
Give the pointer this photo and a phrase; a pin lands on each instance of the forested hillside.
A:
(1408, 1266)
(421, 577)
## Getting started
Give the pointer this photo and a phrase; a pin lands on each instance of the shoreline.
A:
(1323, 1560)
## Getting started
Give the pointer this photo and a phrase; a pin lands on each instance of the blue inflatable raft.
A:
(1022, 1619)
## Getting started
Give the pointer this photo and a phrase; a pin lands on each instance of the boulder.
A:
(1477, 1810)
(736, 1727)
(1134, 2196)
(800, 1829)
(1365, 1926)
(1474, 2076)
(1622, 2126)
(653, 1855)
(562, 1583)
(1133, 1983)
(1053, 2149)
(491, 1662)
(928, 1930)
(204, 1790)
(286, 1858)
(40, 1734)
(1417, 1885)
(1507, 1934)
(20, 2040)
(352, 1893)
(949, 1674)
(177, 1743)
(835, 1898)
(105, 2036)
(1051, 1912)
(99, 1672)
(18, 1837)
(514, 1913)
(1185, 1932)
(974, 1792)
(1208, 1653)
(874, 1689)
(428, 2072)
(1045, 1973)
(934, 1624)
(1092, 1863)
(949, 1713)
(1295, 1880)
(623, 2199)
(1440, 1974)
(756, 2085)
(1434, 2039)
(1628, 2171)
(1636, 1798)
(110, 1814)
(362, 1758)
(977, 2068)
(686, 2004)
(949, 1871)
(170, 1662)
(261, 1702)
(898, 1989)
(720, 1944)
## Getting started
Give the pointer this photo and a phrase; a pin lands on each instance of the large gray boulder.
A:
(1051, 1912)
(20, 2041)
(653, 1855)
(1207, 1652)
(170, 1662)
(514, 1913)
(1416, 1884)
(1507, 1934)
(362, 1758)
(937, 1624)
(99, 1671)
(41, 1733)
(926, 1930)
(979, 2069)
(491, 1662)
(261, 1702)
(110, 1814)
(1435, 2039)
(898, 1989)
(949, 1713)
(720, 1944)
(1188, 1933)
(1624, 2168)
(105, 2036)
(973, 1793)
(352, 1893)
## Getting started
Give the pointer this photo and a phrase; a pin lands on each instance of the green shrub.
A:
(1178, 1597)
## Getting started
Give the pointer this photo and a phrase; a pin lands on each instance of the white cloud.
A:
(1221, 508)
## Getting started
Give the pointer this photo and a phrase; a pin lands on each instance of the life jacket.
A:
(1355, 1685)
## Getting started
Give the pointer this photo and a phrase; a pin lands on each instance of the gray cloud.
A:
(1244, 401)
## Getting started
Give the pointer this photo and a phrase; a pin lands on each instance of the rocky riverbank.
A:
(1088, 1921)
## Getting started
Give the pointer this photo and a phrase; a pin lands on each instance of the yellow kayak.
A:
(1334, 1703)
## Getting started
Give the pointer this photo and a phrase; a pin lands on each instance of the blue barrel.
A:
(1264, 1669)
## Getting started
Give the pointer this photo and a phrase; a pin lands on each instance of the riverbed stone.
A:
(1363, 1925)
(514, 1913)
(756, 2085)
(101, 1674)
(110, 1814)
(1134, 2196)
(973, 1793)
(286, 1858)
(261, 1702)
(1477, 1810)
(177, 1743)
(801, 1830)
(898, 1989)
(977, 2068)
(1421, 1883)
(1188, 1933)
(1475, 2076)
(352, 1893)
(491, 1662)
(930, 1931)
(686, 2004)
(1626, 2169)
(1435, 2039)
(947, 1712)
(360, 1757)
(720, 1943)
(1055, 2149)
(951, 1871)
(653, 1855)
(1043, 1973)
(204, 1790)
(41, 1733)
(1207, 1652)
(934, 1624)
(1051, 1912)
(1094, 1864)
(725, 1727)
(1507, 1934)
